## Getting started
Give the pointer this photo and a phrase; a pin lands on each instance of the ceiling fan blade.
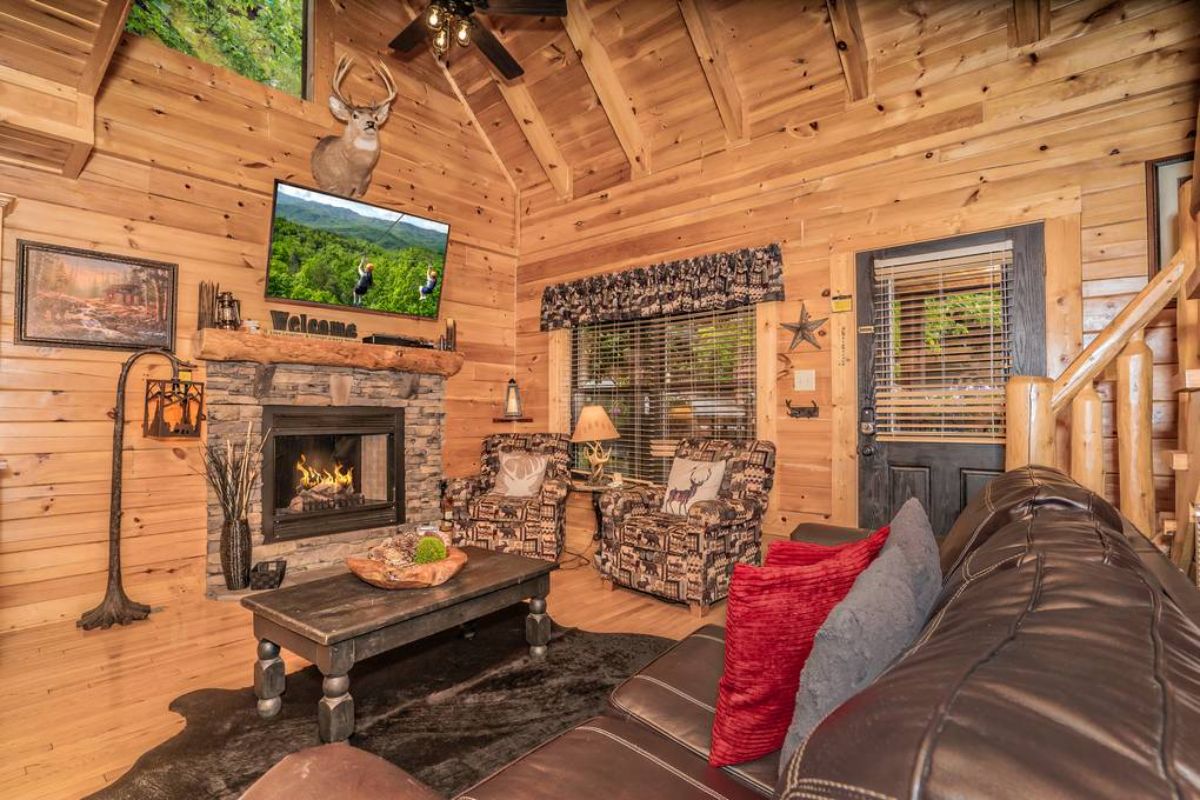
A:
(490, 46)
(411, 36)
(536, 8)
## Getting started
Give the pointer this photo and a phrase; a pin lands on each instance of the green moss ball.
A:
(429, 550)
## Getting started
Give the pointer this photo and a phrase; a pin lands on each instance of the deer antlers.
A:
(385, 75)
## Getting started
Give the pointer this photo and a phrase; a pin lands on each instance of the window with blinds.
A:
(665, 379)
(943, 344)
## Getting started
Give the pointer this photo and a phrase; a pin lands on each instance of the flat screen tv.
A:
(330, 251)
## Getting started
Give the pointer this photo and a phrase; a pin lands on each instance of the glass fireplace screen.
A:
(330, 472)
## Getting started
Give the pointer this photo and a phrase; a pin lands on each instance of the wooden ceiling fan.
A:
(446, 22)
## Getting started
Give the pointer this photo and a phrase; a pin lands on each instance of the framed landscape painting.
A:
(80, 298)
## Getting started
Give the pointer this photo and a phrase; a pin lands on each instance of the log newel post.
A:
(1135, 385)
(1029, 422)
(1087, 442)
(116, 608)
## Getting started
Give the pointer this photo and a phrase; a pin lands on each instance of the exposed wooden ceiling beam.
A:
(1028, 22)
(714, 59)
(108, 35)
(851, 47)
(616, 102)
(487, 142)
(533, 125)
(462, 98)
(112, 25)
(537, 133)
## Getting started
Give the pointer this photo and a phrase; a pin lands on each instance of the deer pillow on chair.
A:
(520, 474)
(692, 482)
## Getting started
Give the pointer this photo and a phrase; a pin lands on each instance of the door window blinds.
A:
(943, 344)
(665, 379)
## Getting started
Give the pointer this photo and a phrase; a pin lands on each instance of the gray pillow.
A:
(913, 535)
(881, 616)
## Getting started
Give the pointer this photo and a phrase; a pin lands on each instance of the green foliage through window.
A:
(664, 379)
(956, 314)
(260, 39)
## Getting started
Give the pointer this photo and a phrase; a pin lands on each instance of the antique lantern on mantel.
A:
(174, 407)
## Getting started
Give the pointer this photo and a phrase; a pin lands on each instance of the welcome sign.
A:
(301, 323)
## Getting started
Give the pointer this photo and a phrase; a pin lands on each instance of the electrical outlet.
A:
(804, 380)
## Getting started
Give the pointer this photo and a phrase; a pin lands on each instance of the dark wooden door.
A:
(941, 327)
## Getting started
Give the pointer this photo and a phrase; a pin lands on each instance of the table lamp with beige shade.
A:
(592, 428)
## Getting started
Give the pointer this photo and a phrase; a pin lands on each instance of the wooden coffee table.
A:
(335, 622)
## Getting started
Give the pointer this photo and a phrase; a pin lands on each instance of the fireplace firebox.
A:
(327, 470)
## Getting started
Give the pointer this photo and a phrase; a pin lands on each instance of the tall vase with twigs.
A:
(232, 470)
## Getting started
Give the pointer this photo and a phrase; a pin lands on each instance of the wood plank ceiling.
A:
(53, 40)
(623, 88)
(53, 56)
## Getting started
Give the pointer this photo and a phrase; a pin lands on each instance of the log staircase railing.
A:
(1120, 353)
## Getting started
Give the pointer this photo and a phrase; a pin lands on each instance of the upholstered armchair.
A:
(689, 558)
(528, 526)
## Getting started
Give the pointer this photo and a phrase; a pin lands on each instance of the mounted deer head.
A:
(343, 164)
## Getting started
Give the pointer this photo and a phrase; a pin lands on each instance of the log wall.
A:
(185, 159)
(961, 133)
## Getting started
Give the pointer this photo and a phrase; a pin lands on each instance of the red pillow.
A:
(801, 554)
(773, 614)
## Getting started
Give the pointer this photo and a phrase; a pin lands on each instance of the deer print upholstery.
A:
(689, 558)
(526, 526)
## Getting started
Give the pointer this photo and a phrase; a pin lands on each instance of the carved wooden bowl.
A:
(410, 576)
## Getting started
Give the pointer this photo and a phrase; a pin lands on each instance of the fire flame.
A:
(312, 478)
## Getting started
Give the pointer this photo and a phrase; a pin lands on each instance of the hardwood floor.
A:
(77, 709)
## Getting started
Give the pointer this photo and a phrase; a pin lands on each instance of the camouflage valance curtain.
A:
(705, 283)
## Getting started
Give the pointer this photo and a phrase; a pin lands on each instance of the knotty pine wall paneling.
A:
(961, 133)
(186, 156)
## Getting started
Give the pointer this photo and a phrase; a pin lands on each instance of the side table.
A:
(595, 490)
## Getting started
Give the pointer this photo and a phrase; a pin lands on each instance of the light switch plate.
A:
(804, 380)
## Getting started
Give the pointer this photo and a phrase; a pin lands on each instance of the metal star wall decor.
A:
(805, 330)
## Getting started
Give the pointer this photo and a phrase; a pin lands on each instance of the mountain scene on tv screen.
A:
(340, 252)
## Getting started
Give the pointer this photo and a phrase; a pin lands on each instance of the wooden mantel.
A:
(213, 344)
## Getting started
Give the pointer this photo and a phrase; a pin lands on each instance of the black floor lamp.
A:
(173, 411)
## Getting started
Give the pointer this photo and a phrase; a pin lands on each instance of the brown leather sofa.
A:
(1062, 660)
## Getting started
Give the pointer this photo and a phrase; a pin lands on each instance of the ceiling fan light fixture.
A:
(462, 31)
(435, 17)
(441, 41)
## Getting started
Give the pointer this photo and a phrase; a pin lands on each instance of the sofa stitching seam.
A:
(673, 690)
(933, 729)
(860, 790)
(708, 790)
(612, 696)
(741, 775)
(967, 582)
(1166, 728)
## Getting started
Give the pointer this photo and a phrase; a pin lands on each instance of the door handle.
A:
(866, 420)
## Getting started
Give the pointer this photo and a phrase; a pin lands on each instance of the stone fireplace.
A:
(371, 442)
(327, 470)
